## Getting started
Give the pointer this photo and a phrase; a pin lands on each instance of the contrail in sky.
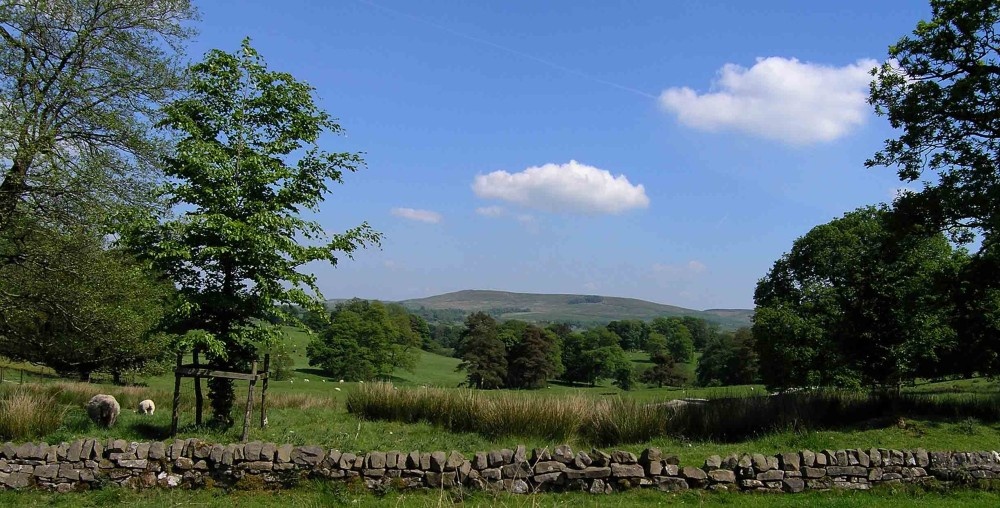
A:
(512, 51)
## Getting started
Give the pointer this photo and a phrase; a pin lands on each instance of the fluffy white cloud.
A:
(570, 187)
(417, 215)
(490, 211)
(779, 98)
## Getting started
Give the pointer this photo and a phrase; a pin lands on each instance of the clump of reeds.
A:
(622, 420)
(25, 413)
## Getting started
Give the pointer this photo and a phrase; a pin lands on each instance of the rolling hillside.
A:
(583, 309)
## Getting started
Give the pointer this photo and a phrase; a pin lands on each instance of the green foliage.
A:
(729, 359)
(663, 372)
(365, 341)
(448, 336)
(245, 166)
(79, 81)
(624, 377)
(510, 332)
(72, 305)
(854, 304)
(678, 338)
(533, 360)
(938, 89)
(633, 333)
(701, 331)
(592, 355)
(483, 354)
(281, 363)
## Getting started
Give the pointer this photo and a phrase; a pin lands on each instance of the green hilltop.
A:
(580, 309)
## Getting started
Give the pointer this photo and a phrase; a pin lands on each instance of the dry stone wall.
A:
(91, 463)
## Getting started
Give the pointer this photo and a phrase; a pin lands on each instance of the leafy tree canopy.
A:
(939, 90)
(855, 304)
(79, 84)
(78, 308)
(246, 166)
(729, 359)
(365, 340)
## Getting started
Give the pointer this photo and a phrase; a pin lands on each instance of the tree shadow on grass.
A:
(314, 372)
(153, 431)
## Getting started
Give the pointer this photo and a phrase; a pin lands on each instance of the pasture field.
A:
(312, 409)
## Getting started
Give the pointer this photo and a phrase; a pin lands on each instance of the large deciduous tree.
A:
(729, 359)
(593, 355)
(678, 338)
(79, 82)
(365, 340)
(247, 164)
(939, 89)
(855, 304)
(79, 308)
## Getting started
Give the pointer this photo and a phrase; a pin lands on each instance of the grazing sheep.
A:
(103, 410)
(305, 380)
(147, 407)
(336, 388)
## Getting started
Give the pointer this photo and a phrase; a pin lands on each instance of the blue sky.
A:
(669, 151)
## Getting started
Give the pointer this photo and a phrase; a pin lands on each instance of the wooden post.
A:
(177, 396)
(246, 416)
(263, 390)
(199, 401)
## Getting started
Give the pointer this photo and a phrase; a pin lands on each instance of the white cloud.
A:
(570, 187)
(779, 98)
(490, 211)
(417, 215)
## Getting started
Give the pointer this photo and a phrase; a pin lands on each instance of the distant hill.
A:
(580, 309)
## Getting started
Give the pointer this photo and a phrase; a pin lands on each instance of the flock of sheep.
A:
(104, 409)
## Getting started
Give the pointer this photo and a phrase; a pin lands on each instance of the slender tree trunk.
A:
(199, 399)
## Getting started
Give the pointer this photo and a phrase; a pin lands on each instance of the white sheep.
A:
(103, 410)
(305, 380)
(336, 388)
(147, 407)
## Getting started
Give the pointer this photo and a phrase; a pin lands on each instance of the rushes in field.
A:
(617, 420)
(25, 413)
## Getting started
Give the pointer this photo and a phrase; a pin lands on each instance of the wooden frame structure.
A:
(197, 372)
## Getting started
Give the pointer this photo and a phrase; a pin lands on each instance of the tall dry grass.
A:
(78, 394)
(621, 420)
(26, 413)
